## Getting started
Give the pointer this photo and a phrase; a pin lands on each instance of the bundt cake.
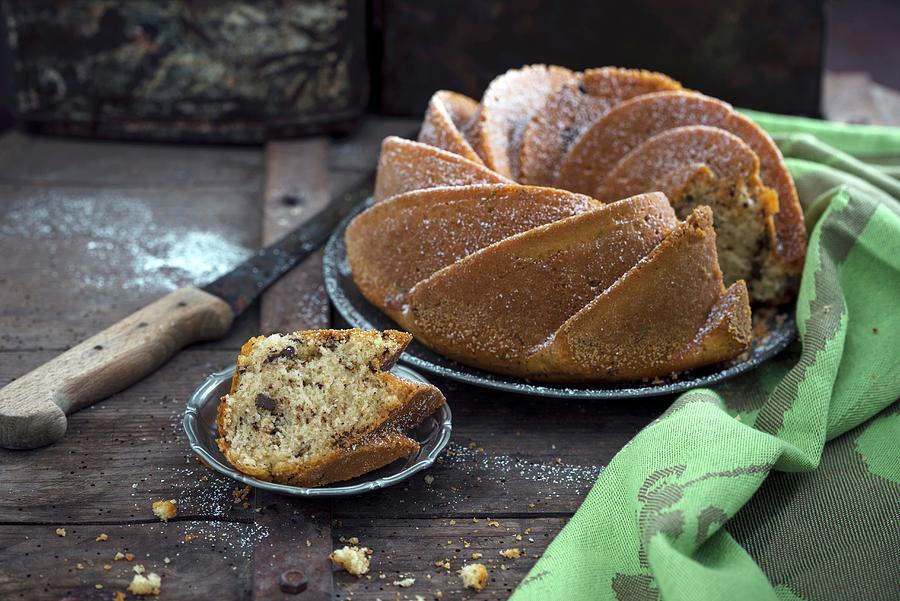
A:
(613, 274)
(316, 407)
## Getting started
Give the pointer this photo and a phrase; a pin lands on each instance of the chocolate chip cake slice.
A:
(319, 406)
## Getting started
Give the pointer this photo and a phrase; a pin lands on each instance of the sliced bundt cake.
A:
(553, 285)
(316, 407)
(631, 123)
(701, 165)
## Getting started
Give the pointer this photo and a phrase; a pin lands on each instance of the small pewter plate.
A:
(779, 325)
(200, 425)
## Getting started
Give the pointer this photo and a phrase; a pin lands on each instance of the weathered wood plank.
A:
(207, 560)
(80, 259)
(61, 162)
(296, 189)
(119, 455)
(409, 548)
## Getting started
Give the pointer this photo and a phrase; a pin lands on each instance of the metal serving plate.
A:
(780, 326)
(200, 425)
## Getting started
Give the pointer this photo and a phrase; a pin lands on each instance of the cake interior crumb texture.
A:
(315, 398)
(474, 576)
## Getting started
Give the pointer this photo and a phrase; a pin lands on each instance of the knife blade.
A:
(33, 408)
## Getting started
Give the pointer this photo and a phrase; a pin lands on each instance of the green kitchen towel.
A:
(783, 483)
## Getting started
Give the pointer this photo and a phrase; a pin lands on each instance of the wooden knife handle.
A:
(33, 408)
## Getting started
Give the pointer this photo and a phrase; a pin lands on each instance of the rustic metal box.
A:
(207, 70)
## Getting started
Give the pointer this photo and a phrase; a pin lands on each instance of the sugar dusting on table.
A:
(551, 478)
(126, 248)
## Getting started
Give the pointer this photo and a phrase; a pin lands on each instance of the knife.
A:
(33, 408)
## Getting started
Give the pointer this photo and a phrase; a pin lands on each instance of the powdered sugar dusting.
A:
(508, 104)
(405, 166)
(125, 247)
(551, 479)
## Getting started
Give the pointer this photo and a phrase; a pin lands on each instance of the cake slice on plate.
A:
(320, 406)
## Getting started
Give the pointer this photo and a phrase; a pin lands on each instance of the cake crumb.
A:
(428, 479)
(452, 522)
(138, 569)
(107, 567)
(476, 555)
(405, 583)
(118, 596)
(102, 537)
(352, 559)
(60, 532)
(145, 585)
(119, 556)
(167, 560)
(129, 556)
(513, 553)
(493, 523)
(474, 576)
(79, 566)
(240, 494)
(442, 563)
(165, 510)
(98, 586)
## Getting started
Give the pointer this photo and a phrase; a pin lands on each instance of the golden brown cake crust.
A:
(397, 243)
(571, 107)
(619, 336)
(382, 444)
(536, 281)
(628, 125)
(447, 115)
(506, 108)
(405, 166)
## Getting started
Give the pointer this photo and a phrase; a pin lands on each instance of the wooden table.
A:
(92, 231)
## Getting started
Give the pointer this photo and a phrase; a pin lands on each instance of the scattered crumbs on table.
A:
(102, 537)
(165, 510)
(60, 532)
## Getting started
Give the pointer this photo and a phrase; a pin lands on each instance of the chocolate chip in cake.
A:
(286, 353)
(264, 401)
